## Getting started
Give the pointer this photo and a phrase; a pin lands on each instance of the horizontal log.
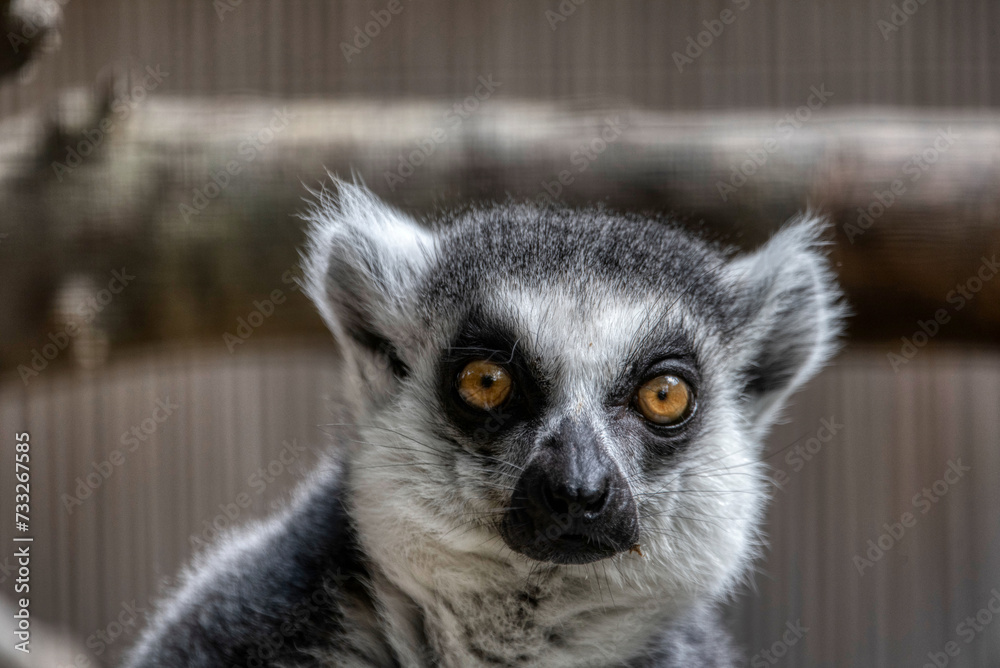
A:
(197, 196)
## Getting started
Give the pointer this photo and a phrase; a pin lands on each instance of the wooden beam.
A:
(913, 197)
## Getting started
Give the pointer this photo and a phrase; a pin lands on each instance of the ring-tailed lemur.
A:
(557, 459)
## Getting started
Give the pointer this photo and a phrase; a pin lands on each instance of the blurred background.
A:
(153, 156)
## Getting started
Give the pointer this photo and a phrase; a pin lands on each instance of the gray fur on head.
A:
(580, 307)
(583, 295)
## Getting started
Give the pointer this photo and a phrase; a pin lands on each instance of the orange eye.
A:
(484, 385)
(664, 400)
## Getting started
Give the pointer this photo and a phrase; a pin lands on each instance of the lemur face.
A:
(567, 387)
(570, 374)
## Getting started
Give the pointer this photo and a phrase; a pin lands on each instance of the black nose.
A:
(585, 498)
(571, 503)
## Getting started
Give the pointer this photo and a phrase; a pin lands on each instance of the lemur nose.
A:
(572, 478)
(586, 497)
(571, 503)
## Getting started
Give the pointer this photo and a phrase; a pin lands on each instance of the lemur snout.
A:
(571, 504)
(573, 477)
(562, 496)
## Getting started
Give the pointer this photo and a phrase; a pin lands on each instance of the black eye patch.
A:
(653, 355)
(479, 339)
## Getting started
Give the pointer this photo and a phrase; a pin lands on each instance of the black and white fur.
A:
(391, 555)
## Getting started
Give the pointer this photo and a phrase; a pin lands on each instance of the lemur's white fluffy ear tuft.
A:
(362, 263)
(794, 314)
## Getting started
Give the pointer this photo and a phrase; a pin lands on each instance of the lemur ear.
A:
(362, 263)
(793, 314)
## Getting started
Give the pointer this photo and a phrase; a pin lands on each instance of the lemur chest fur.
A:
(534, 623)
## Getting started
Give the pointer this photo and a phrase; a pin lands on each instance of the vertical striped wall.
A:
(894, 434)
(944, 55)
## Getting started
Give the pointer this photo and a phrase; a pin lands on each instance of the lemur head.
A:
(549, 388)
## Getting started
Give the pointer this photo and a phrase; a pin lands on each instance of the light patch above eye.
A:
(664, 400)
(484, 385)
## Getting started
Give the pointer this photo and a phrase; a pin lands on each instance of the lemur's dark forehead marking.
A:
(628, 257)
(488, 338)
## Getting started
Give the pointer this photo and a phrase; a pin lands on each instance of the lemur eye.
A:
(484, 385)
(664, 400)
